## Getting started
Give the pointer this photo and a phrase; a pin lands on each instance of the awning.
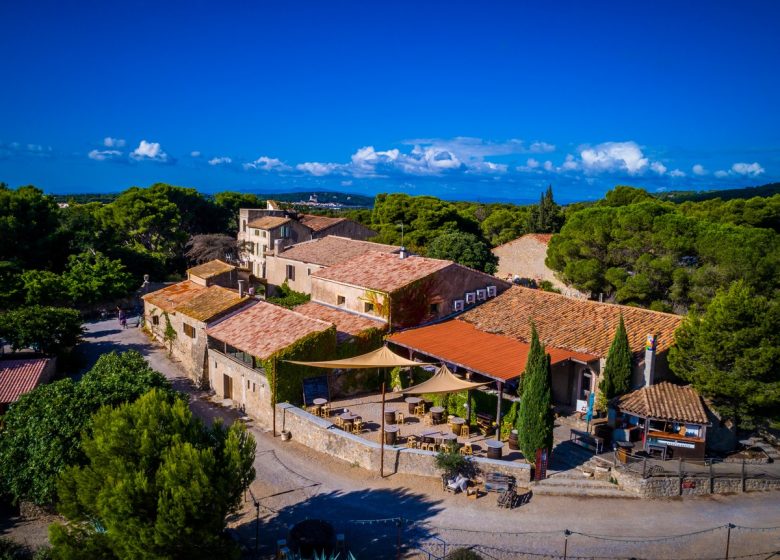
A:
(443, 381)
(493, 355)
(379, 358)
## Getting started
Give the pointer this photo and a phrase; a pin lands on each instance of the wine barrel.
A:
(513, 445)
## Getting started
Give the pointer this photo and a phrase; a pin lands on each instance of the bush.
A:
(288, 297)
(452, 463)
(463, 554)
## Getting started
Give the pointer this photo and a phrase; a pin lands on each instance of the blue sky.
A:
(473, 100)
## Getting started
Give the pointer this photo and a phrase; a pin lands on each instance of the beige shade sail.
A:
(443, 381)
(379, 358)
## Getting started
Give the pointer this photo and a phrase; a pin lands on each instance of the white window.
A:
(491, 291)
(471, 297)
(481, 295)
(457, 305)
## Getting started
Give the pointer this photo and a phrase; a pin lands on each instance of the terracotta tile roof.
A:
(209, 269)
(573, 324)
(18, 377)
(211, 303)
(664, 401)
(460, 343)
(174, 295)
(268, 222)
(347, 324)
(543, 238)
(385, 272)
(331, 250)
(264, 328)
(318, 223)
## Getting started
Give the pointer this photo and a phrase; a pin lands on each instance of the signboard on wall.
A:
(540, 470)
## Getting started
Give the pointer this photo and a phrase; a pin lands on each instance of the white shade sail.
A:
(443, 381)
(379, 358)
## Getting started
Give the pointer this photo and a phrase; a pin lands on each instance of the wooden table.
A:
(391, 435)
(494, 448)
(447, 438)
(348, 417)
(412, 402)
(319, 403)
(437, 414)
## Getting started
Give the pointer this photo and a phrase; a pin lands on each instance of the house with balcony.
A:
(266, 231)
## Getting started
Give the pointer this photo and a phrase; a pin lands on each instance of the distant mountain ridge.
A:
(770, 189)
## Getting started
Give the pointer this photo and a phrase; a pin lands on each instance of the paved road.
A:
(294, 483)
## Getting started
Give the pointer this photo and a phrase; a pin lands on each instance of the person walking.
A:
(122, 318)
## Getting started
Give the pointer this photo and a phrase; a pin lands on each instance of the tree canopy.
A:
(40, 434)
(616, 377)
(535, 420)
(50, 330)
(156, 483)
(731, 353)
(464, 248)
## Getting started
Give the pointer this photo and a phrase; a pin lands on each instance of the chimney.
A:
(649, 360)
(278, 246)
(241, 288)
(403, 253)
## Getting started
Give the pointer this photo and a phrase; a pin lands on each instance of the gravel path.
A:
(295, 483)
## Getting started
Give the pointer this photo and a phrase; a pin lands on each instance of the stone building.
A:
(248, 353)
(493, 339)
(296, 264)
(522, 260)
(214, 273)
(264, 232)
(401, 289)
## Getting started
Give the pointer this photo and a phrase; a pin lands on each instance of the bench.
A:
(495, 482)
(586, 440)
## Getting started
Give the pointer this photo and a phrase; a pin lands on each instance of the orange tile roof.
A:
(664, 401)
(347, 324)
(574, 324)
(318, 223)
(171, 296)
(460, 343)
(331, 250)
(209, 269)
(385, 272)
(211, 303)
(18, 377)
(268, 222)
(264, 328)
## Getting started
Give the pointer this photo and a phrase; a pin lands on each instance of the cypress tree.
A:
(617, 371)
(535, 420)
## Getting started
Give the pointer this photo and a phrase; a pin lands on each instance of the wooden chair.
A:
(427, 420)
(357, 426)
(399, 417)
(339, 422)
(314, 410)
(464, 431)
(412, 443)
(325, 410)
(466, 449)
(419, 410)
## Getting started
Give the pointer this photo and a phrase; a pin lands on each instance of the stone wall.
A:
(190, 351)
(669, 486)
(346, 228)
(276, 273)
(249, 388)
(322, 435)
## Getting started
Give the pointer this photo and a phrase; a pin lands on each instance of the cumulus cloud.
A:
(698, 169)
(676, 173)
(110, 142)
(541, 148)
(318, 169)
(532, 163)
(658, 167)
(614, 156)
(569, 164)
(750, 169)
(548, 165)
(222, 160)
(103, 155)
(195, 153)
(720, 174)
(265, 163)
(149, 151)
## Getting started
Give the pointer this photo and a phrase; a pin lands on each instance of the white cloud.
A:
(658, 167)
(548, 165)
(751, 169)
(541, 148)
(149, 150)
(222, 160)
(676, 173)
(318, 169)
(698, 169)
(110, 142)
(720, 174)
(569, 163)
(102, 155)
(265, 163)
(532, 163)
(614, 156)
(195, 153)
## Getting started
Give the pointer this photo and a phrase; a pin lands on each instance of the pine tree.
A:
(546, 217)
(535, 420)
(617, 371)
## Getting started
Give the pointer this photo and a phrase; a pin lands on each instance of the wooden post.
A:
(712, 479)
(382, 434)
(680, 473)
(743, 475)
(273, 395)
(498, 410)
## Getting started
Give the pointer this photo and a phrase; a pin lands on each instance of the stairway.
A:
(576, 483)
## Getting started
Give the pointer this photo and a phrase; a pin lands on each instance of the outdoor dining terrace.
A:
(411, 421)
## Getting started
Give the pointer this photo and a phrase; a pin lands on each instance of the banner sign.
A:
(542, 456)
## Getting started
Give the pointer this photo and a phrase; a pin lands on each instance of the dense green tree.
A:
(505, 224)
(11, 285)
(229, 203)
(92, 277)
(547, 216)
(157, 484)
(731, 353)
(616, 377)
(761, 212)
(28, 222)
(464, 248)
(535, 421)
(42, 287)
(624, 195)
(41, 433)
(50, 330)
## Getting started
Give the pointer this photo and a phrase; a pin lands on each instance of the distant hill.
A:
(323, 197)
(770, 189)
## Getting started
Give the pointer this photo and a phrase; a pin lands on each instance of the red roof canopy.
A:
(461, 343)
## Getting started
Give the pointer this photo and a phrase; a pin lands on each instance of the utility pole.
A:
(730, 526)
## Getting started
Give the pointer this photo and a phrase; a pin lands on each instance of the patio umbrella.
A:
(380, 358)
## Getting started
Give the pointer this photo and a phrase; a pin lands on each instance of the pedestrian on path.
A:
(122, 318)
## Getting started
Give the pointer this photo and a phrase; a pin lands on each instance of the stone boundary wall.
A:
(669, 486)
(322, 435)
